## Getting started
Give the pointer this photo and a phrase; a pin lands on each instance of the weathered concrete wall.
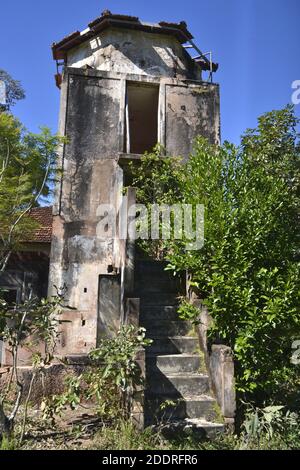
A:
(52, 382)
(25, 353)
(92, 117)
(220, 364)
(135, 52)
(91, 177)
(221, 368)
(191, 110)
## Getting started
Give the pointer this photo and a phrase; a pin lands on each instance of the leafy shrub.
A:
(270, 425)
(26, 325)
(248, 269)
(110, 379)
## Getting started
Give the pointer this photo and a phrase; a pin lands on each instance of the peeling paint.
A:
(93, 119)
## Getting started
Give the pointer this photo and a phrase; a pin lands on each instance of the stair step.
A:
(197, 428)
(173, 364)
(193, 407)
(167, 328)
(176, 385)
(177, 394)
(144, 267)
(158, 298)
(159, 312)
(173, 345)
(158, 287)
(164, 282)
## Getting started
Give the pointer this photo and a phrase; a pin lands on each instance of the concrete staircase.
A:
(177, 396)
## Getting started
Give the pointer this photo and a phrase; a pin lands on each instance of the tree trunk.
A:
(4, 261)
(5, 424)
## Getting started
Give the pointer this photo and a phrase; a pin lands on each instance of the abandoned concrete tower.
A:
(126, 86)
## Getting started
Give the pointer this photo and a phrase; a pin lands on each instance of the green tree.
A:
(248, 270)
(13, 91)
(27, 169)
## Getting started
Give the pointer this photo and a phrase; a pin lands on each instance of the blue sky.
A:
(256, 42)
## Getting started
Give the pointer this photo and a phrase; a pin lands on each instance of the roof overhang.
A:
(109, 20)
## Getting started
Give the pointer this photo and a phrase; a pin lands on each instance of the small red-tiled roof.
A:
(43, 234)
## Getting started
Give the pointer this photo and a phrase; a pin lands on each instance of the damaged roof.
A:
(107, 20)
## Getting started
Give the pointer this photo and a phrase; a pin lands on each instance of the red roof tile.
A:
(43, 215)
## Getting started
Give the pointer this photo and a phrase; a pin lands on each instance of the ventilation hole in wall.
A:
(110, 268)
(85, 290)
(82, 322)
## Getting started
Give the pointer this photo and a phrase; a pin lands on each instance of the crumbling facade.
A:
(125, 86)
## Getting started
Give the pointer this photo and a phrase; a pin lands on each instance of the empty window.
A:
(141, 117)
(10, 295)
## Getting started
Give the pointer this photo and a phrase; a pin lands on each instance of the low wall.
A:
(51, 382)
(220, 365)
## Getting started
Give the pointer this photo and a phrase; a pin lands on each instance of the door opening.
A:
(141, 117)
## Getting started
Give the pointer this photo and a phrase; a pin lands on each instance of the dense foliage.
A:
(248, 270)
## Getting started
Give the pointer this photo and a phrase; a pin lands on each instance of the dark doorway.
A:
(141, 117)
